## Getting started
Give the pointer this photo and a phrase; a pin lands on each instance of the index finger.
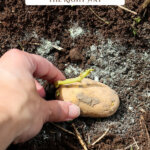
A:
(45, 69)
(35, 64)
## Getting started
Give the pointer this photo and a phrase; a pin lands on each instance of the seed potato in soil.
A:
(95, 99)
(119, 53)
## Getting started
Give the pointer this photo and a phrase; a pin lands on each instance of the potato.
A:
(95, 99)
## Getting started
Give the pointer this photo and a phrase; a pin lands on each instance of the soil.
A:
(118, 52)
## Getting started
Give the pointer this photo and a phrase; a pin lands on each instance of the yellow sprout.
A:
(73, 80)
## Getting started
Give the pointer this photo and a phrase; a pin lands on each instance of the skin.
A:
(23, 110)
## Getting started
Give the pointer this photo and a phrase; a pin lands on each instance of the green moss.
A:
(137, 20)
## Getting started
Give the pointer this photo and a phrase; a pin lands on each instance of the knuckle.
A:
(12, 53)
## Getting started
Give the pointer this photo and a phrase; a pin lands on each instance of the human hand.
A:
(21, 97)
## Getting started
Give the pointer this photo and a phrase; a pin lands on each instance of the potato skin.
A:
(95, 99)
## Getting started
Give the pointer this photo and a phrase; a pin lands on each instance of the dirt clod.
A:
(75, 55)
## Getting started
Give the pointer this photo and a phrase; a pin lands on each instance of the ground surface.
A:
(119, 52)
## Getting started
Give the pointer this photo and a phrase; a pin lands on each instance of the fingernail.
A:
(74, 111)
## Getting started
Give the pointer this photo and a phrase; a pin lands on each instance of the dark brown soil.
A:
(119, 52)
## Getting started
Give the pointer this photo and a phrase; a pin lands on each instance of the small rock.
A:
(75, 55)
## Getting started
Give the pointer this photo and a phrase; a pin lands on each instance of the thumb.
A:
(57, 111)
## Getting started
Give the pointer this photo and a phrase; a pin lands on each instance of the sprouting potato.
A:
(95, 99)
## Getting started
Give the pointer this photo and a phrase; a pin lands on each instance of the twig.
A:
(54, 46)
(130, 145)
(57, 47)
(100, 137)
(136, 143)
(148, 137)
(145, 4)
(52, 132)
(98, 16)
(124, 8)
(65, 130)
(79, 137)
(34, 43)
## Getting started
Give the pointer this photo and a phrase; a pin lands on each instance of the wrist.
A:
(8, 128)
